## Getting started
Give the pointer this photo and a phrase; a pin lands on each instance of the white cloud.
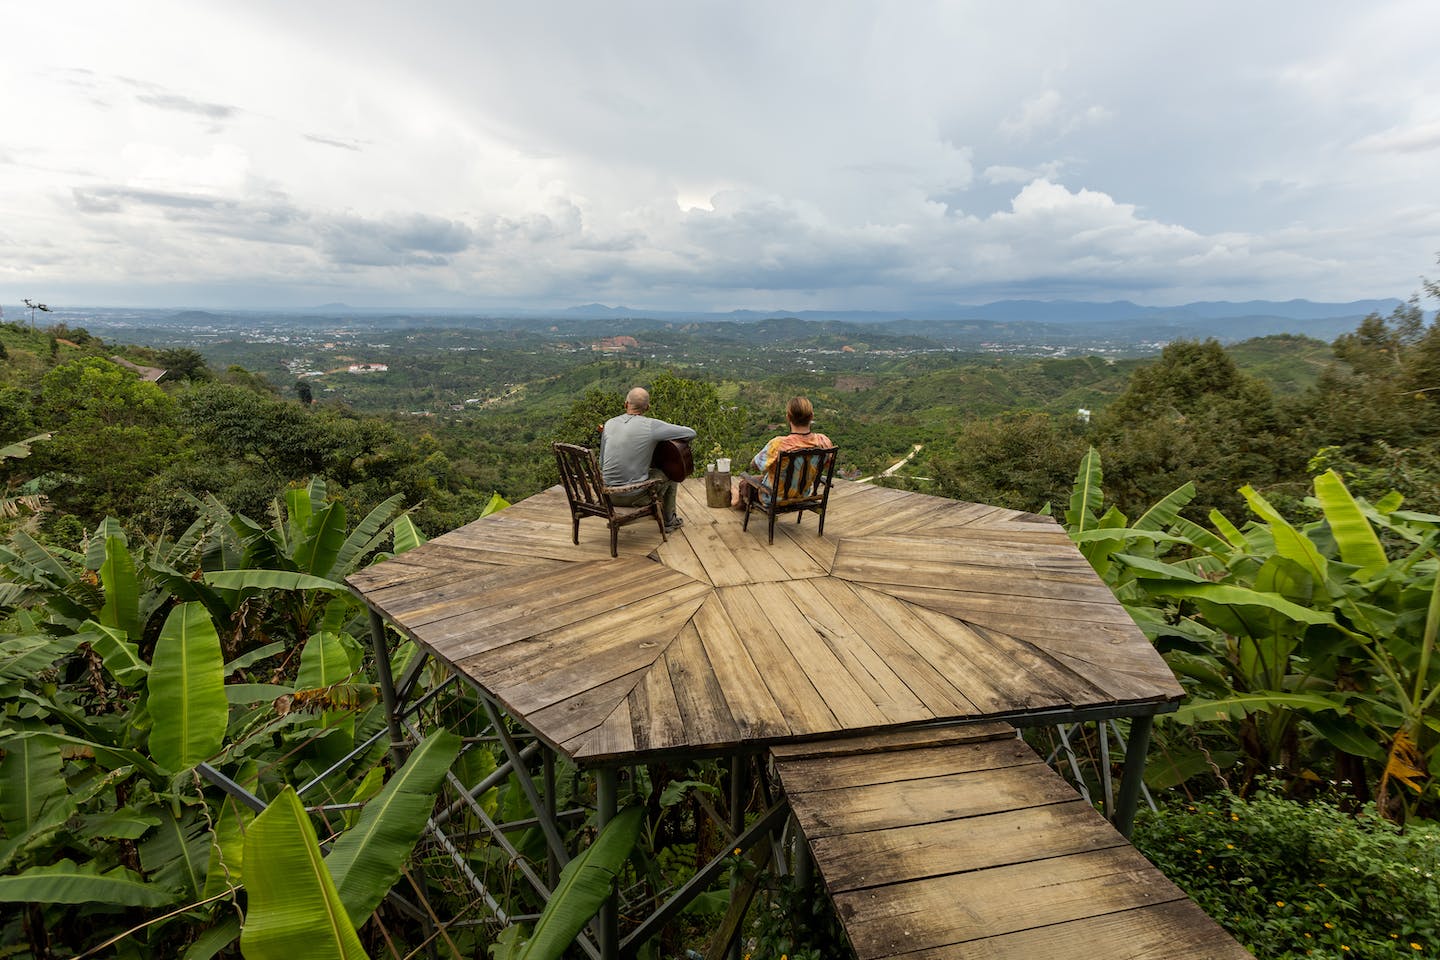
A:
(717, 154)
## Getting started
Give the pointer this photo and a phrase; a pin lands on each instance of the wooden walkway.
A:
(911, 609)
(962, 843)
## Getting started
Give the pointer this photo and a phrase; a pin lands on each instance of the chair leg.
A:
(660, 521)
(821, 531)
(576, 536)
(614, 540)
(748, 503)
(772, 528)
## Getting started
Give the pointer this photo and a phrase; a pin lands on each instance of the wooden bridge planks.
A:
(978, 849)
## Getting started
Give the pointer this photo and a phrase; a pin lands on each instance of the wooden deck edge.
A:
(907, 739)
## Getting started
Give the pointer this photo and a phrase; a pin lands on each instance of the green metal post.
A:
(381, 647)
(1134, 777)
(607, 928)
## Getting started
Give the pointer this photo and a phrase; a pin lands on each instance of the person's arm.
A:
(660, 430)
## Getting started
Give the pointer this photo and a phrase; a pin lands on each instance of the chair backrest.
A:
(804, 476)
(580, 475)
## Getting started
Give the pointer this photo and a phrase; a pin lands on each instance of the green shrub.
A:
(1302, 880)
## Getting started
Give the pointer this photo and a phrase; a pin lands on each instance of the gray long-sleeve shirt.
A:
(628, 442)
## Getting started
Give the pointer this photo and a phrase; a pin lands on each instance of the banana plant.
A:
(1283, 631)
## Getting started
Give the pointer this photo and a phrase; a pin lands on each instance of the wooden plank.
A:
(919, 914)
(790, 686)
(858, 608)
(654, 710)
(821, 550)
(751, 703)
(886, 690)
(918, 851)
(495, 589)
(999, 609)
(952, 655)
(847, 699)
(574, 716)
(613, 738)
(927, 799)
(994, 653)
(1177, 930)
(703, 708)
(477, 632)
(721, 565)
(677, 554)
(907, 738)
(899, 766)
(552, 666)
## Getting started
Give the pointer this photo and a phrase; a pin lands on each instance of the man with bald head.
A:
(627, 445)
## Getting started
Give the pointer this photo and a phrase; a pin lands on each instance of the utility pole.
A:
(33, 307)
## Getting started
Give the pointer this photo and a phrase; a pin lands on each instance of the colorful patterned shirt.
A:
(765, 461)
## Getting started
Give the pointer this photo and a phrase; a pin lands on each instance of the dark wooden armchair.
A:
(589, 497)
(802, 482)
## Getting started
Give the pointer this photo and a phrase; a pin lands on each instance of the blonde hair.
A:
(800, 412)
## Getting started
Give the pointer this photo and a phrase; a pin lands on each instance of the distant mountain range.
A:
(1057, 321)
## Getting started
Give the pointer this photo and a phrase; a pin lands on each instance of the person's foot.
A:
(674, 523)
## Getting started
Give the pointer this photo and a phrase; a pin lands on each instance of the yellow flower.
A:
(1345, 948)
(1329, 925)
(1307, 937)
(1414, 945)
(737, 851)
(1279, 903)
(1229, 846)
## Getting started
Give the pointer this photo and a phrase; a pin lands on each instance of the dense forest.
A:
(1267, 511)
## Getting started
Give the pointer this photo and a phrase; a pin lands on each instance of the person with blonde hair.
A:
(800, 415)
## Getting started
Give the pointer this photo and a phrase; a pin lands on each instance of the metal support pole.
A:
(737, 825)
(1134, 776)
(547, 772)
(1107, 786)
(381, 648)
(1144, 790)
(607, 924)
(553, 840)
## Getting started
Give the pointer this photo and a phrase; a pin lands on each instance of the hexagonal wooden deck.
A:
(911, 609)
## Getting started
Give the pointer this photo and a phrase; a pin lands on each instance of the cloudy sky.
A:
(699, 155)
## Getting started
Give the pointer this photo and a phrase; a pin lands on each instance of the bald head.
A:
(637, 400)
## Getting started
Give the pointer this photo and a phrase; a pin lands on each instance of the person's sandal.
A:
(674, 523)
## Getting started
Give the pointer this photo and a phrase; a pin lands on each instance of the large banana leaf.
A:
(1289, 542)
(176, 854)
(294, 910)
(67, 882)
(1086, 497)
(1352, 532)
(326, 660)
(316, 551)
(367, 860)
(407, 536)
(584, 884)
(30, 772)
(187, 690)
(1166, 511)
(23, 657)
(268, 580)
(495, 504)
(1228, 595)
(1241, 705)
(118, 655)
(366, 536)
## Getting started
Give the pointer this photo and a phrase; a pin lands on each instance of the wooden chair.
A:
(589, 497)
(803, 479)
